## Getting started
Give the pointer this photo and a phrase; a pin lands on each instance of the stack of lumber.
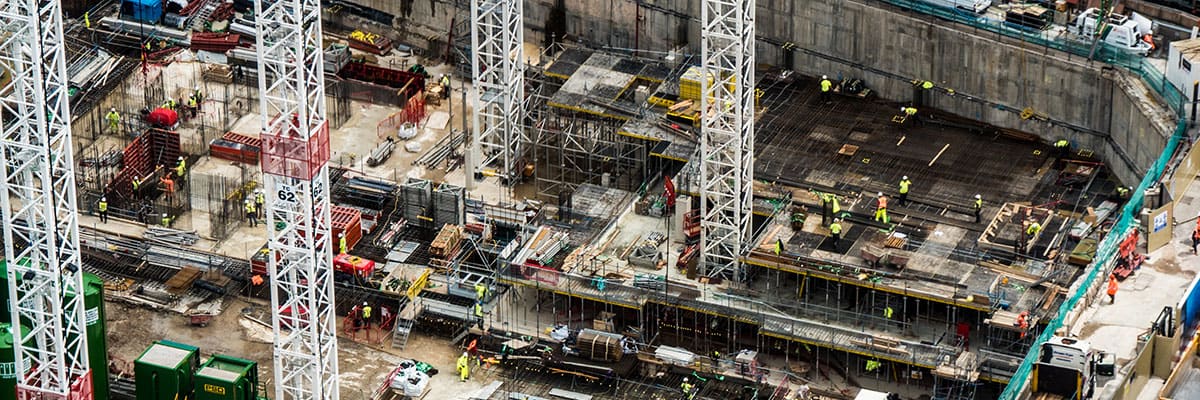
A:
(599, 346)
(446, 242)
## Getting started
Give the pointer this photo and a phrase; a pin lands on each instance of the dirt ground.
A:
(362, 366)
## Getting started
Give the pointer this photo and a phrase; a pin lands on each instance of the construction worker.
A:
(114, 119)
(881, 204)
(259, 201)
(168, 187)
(1031, 233)
(686, 387)
(251, 214)
(829, 207)
(342, 243)
(102, 207)
(479, 314)
(910, 115)
(366, 315)
(181, 168)
(1112, 288)
(887, 312)
(480, 291)
(462, 365)
(835, 230)
(904, 184)
(826, 87)
(137, 187)
(170, 104)
(977, 206)
(1122, 193)
(196, 93)
(445, 86)
(166, 221)
(193, 106)
(1062, 147)
(1195, 238)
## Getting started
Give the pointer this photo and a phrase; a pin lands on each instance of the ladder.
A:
(400, 334)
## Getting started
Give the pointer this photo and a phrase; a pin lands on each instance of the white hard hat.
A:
(103, 199)
(464, 354)
(685, 379)
(978, 197)
(364, 303)
(905, 177)
(197, 88)
(880, 194)
(901, 109)
(112, 109)
(824, 77)
(164, 214)
(180, 157)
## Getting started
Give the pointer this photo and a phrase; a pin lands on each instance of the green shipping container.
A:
(227, 378)
(97, 328)
(8, 362)
(165, 371)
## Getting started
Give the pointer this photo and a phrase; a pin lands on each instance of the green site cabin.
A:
(165, 371)
(227, 378)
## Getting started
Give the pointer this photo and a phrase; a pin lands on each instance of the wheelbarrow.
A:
(199, 319)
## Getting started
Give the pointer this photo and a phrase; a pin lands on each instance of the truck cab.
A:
(1128, 33)
(1066, 367)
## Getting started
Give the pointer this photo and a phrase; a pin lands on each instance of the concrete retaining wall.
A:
(993, 77)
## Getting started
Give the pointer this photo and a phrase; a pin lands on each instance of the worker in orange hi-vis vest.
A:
(1112, 288)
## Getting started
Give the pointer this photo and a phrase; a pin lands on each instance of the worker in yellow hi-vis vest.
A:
(103, 208)
(826, 88)
(904, 184)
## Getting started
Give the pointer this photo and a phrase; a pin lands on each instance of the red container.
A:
(348, 220)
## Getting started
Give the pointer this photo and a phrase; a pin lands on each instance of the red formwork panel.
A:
(236, 147)
(348, 220)
(286, 153)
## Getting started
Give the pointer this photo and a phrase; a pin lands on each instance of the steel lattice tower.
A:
(727, 138)
(498, 76)
(41, 232)
(295, 152)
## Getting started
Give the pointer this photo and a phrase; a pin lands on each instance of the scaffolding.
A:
(574, 148)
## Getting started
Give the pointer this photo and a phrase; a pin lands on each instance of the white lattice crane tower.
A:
(727, 134)
(498, 76)
(295, 152)
(41, 233)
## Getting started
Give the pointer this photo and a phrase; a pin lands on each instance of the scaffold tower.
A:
(498, 77)
(727, 137)
(41, 230)
(295, 154)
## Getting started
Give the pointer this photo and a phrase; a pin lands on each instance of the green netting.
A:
(1151, 75)
(1104, 254)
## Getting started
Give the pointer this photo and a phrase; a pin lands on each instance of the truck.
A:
(1129, 33)
(1066, 368)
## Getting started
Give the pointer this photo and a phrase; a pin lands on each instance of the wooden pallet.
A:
(182, 280)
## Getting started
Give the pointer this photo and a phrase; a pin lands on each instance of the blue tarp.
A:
(148, 11)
